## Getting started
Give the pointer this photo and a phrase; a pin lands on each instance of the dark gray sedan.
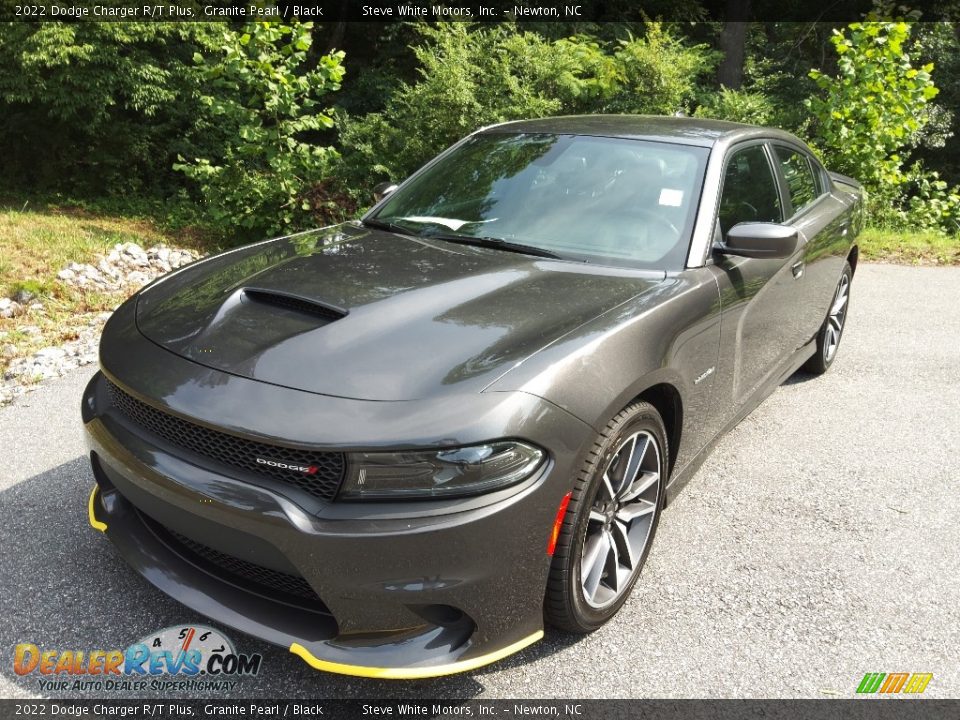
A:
(396, 446)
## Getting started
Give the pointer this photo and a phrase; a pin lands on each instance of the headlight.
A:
(439, 473)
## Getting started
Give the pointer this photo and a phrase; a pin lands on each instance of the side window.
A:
(799, 176)
(749, 190)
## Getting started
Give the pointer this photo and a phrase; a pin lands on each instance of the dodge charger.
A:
(401, 446)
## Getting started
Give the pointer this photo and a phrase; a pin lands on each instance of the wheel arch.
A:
(852, 258)
(668, 402)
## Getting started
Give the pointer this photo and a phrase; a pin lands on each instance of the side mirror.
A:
(760, 240)
(381, 190)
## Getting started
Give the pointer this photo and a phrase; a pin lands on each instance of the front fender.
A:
(670, 335)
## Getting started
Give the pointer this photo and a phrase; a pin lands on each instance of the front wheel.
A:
(828, 339)
(610, 522)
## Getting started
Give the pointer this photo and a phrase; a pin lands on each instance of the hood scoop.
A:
(293, 302)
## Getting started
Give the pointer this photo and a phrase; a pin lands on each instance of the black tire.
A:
(827, 349)
(566, 605)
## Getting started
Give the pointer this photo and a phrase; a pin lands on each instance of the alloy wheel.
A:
(835, 320)
(618, 527)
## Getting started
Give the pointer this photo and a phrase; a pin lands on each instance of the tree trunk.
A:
(733, 42)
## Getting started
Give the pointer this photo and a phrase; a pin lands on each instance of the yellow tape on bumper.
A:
(94, 523)
(413, 673)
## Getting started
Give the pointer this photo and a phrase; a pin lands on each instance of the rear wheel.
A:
(828, 339)
(610, 522)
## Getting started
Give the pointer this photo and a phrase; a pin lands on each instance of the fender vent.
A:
(296, 303)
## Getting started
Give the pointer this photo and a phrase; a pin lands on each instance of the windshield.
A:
(607, 200)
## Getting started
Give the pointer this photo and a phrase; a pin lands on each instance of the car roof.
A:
(683, 130)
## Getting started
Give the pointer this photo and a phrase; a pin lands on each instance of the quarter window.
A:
(749, 190)
(796, 170)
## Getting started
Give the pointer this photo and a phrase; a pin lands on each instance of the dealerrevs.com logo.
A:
(184, 658)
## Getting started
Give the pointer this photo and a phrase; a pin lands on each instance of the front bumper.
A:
(393, 590)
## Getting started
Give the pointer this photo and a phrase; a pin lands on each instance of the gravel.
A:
(817, 543)
(123, 271)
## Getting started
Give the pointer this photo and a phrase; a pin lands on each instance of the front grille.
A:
(263, 577)
(322, 481)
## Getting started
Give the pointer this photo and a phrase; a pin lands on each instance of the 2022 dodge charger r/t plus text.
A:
(395, 446)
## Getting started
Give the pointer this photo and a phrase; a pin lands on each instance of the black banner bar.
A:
(485, 11)
(854, 709)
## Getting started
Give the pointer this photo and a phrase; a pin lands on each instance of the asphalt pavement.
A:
(820, 541)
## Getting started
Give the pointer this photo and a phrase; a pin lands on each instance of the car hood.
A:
(359, 313)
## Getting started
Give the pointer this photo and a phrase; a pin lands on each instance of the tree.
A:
(871, 113)
(268, 107)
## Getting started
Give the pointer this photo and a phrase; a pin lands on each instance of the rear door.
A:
(823, 226)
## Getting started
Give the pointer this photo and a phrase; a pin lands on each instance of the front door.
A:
(758, 296)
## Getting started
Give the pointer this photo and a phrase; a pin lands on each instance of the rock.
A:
(136, 254)
(23, 296)
(50, 353)
(124, 269)
(137, 279)
(107, 268)
(10, 308)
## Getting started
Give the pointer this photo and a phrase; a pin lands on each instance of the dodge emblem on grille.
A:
(305, 469)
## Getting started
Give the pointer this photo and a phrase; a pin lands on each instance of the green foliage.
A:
(939, 42)
(468, 78)
(738, 106)
(869, 117)
(874, 107)
(99, 114)
(266, 106)
(471, 77)
(98, 108)
(930, 203)
(656, 74)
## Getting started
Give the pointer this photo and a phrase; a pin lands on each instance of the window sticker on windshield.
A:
(671, 197)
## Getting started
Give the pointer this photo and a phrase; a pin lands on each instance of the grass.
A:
(910, 248)
(36, 244)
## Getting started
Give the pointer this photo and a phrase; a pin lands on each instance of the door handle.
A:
(797, 269)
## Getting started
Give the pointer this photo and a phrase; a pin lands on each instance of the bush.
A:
(468, 79)
(265, 105)
(471, 77)
(95, 109)
(872, 114)
(930, 203)
(738, 106)
(874, 107)
(656, 74)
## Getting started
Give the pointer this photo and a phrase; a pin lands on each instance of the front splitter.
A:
(293, 628)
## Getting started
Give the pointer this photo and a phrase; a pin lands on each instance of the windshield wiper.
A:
(384, 225)
(492, 242)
